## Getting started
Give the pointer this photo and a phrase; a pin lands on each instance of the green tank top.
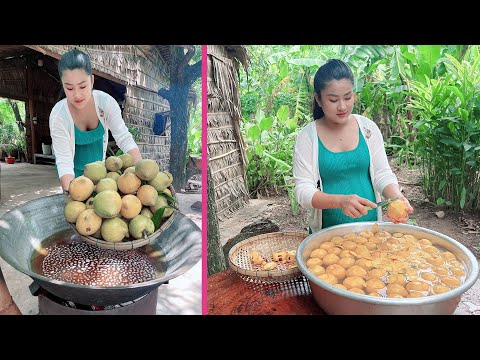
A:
(88, 147)
(346, 173)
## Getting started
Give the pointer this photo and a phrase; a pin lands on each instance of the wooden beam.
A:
(29, 80)
(94, 71)
(44, 51)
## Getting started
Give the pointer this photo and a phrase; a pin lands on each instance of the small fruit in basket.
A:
(146, 212)
(127, 160)
(128, 183)
(107, 204)
(73, 209)
(106, 184)
(88, 222)
(397, 209)
(81, 188)
(161, 181)
(113, 163)
(256, 258)
(95, 171)
(120, 197)
(280, 256)
(159, 203)
(129, 169)
(113, 175)
(269, 266)
(291, 256)
(147, 169)
(147, 195)
(114, 230)
(141, 225)
(131, 206)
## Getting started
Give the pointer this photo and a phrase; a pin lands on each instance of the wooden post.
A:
(29, 79)
(215, 259)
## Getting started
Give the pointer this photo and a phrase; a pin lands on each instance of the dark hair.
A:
(74, 59)
(71, 60)
(333, 69)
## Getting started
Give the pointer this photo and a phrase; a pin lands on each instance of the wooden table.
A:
(228, 294)
(47, 158)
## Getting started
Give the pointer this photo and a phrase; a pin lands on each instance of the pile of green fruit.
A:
(115, 200)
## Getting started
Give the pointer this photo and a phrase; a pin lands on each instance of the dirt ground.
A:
(464, 227)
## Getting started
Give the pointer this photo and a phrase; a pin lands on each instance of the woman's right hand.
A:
(354, 206)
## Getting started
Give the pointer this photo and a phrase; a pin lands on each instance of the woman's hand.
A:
(354, 206)
(409, 211)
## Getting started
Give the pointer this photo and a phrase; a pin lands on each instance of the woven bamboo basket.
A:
(266, 245)
(129, 245)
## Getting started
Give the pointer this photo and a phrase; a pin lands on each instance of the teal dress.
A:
(346, 173)
(88, 147)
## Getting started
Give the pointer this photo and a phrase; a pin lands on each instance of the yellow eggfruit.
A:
(336, 270)
(318, 253)
(346, 262)
(314, 261)
(354, 281)
(397, 210)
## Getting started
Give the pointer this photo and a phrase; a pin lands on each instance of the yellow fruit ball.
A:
(397, 209)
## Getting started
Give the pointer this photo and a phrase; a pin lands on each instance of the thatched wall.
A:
(12, 78)
(142, 75)
(14, 73)
(226, 156)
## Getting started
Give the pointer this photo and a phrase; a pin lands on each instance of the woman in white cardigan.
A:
(339, 164)
(79, 123)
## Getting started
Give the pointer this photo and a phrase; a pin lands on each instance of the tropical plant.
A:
(448, 132)
(9, 135)
(270, 143)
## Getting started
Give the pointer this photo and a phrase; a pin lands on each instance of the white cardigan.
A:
(62, 130)
(307, 174)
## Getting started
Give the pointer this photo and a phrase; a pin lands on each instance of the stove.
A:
(49, 304)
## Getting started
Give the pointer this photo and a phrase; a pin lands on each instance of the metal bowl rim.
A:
(469, 281)
(43, 278)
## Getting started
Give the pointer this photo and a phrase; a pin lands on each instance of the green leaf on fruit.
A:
(168, 196)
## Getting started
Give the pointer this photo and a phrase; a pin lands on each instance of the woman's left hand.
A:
(409, 211)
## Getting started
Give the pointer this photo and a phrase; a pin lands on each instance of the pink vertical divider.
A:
(204, 179)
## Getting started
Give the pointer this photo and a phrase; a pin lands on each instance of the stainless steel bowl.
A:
(341, 302)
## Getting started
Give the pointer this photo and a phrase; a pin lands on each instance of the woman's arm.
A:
(385, 180)
(392, 191)
(116, 124)
(65, 181)
(136, 155)
(305, 186)
(61, 144)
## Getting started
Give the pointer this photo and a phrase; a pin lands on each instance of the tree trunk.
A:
(18, 118)
(182, 77)
(215, 258)
(179, 136)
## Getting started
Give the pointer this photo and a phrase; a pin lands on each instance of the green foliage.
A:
(270, 142)
(448, 132)
(10, 135)
(135, 133)
(424, 98)
(194, 140)
(249, 104)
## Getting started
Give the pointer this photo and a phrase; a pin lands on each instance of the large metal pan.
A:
(25, 227)
(337, 301)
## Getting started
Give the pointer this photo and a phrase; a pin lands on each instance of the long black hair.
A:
(72, 60)
(333, 69)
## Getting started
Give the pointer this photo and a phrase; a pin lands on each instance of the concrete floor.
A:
(22, 182)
